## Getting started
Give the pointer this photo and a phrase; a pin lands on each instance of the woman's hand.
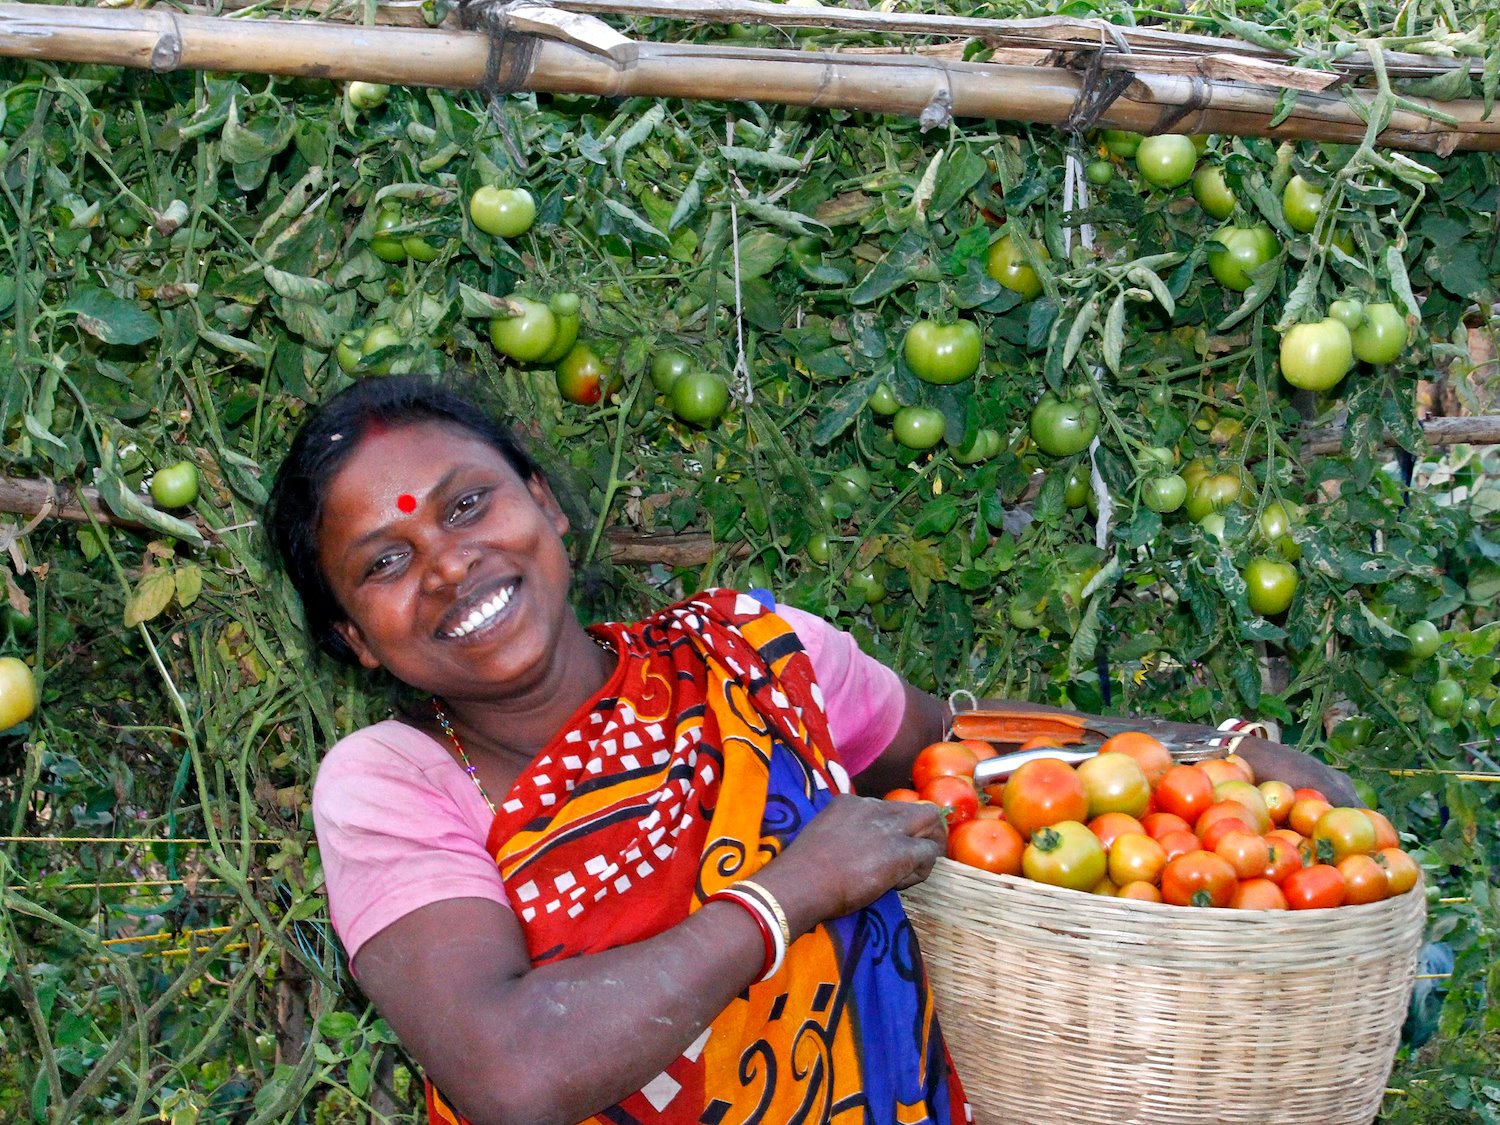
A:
(851, 853)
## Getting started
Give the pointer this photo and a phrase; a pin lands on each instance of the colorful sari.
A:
(617, 832)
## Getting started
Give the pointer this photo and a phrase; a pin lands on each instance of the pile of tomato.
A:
(1130, 822)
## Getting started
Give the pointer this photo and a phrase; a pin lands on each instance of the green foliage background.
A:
(181, 255)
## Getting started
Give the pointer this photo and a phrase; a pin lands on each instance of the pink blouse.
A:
(400, 825)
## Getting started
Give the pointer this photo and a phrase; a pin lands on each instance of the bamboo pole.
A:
(901, 84)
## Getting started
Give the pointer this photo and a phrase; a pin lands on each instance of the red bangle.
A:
(761, 924)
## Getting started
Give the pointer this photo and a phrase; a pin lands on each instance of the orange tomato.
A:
(1343, 832)
(1114, 783)
(982, 749)
(1106, 887)
(1246, 852)
(1221, 769)
(1278, 798)
(1245, 768)
(942, 759)
(1141, 892)
(1401, 870)
(1249, 796)
(1385, 831)
(1179, 843)
(902, 795)
(1305, 812)
(1198, 878)
(990, 845)
(1216, 831)
(1185, 790)
(1307, 793)
(1158, 824)
(1041, 792)
(1154, 758)
(1258, 894)
(1136, 858)
(1317, 887)
(1111, 826)
(1364, 879)
(989, 812)
(1282, 858)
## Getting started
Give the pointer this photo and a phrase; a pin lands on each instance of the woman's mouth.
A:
(482, 614)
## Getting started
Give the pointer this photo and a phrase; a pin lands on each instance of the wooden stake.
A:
(904, 84)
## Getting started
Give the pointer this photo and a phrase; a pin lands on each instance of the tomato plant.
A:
(502, 212)
(1241, 250)
(1064, 854)
(1063, 426)
(943, 353)
(175, 486)
(1166, 160)
(18, 693)
(1316, 356)
(1044, 791)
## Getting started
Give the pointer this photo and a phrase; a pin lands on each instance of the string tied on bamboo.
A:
(509, 64)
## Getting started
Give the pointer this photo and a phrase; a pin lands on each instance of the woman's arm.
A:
(926, 713)
(505, 1042)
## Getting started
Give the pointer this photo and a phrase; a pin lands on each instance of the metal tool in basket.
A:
(1079, 738)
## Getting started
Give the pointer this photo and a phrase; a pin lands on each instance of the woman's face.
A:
(448, 565)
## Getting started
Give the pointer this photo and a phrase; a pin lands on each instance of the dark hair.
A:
(321, 447)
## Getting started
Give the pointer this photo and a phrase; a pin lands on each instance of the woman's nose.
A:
(449, 566)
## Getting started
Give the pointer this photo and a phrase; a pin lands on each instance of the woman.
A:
(614, 873)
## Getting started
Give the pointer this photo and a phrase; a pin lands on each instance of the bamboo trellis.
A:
(1072, 74)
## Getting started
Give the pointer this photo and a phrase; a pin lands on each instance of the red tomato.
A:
(1278, 798)
(1246, 852)
(902, 795)
(1257, 894)
(1136, 857)
(1064, 854)
(1185, 790)
(1141, 892)
(1364, 879)
(942, 759)
(1314, 888)
(1158, 824)
(1179, 843)
(1385, 831)
(1309, 794)
(1223, 810)
(1343, 832)
(956, 795)
(982, 749)
(1305, 813)
(990, 845)
(1216, 831)
(1110, 826)
(1154, 758)
(1114, 783)
(1198, 878)
(1401, 871)
(1282, 858)
(1041, 792)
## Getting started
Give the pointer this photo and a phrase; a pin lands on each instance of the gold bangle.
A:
(770, 900)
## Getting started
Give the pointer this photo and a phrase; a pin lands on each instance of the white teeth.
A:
(483, 615)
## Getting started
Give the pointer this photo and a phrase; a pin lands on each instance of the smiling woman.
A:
(613, 872)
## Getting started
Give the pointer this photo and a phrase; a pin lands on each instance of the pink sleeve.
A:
(400, 826)
(864, 698)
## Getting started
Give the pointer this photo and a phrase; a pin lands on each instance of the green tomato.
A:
(1446, 698)
(1348, 311)
(385, 246)
(367, 95)
(378, 338)
(1352, 733)
(1122, 142)
(1166, 161)
(1165, 494)
(700, 397)
(1381, 338)
(502, 212)
(1213, 526)
(1270, 585)
(1160, 456)
(883, 401)
(583, 378)
(1383, 612)
(1301, 203)
(985, 445)
(418, 249)
(869, 582)
(1316, 357)
(1160, 394)
(919, 427)
(1213, 493)
(943, 353)
(819, 547)
(1274, 522)
(1007, 264)
(669, 366)
(1425, 639)
(1213, 192)
(1063, 427)
(1099, 172)
(18, 694)
(1079, 486)
(565, 308)
(1241, 249)
(347, 354)
(176, 486)
(528, 336)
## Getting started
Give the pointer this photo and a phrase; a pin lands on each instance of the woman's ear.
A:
(349, 633)
(541, 492)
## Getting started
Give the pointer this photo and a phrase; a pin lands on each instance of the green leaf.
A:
(793, 221)
(295, 287)
(633, 228)
(1139, 274)
(963, 169)
(759, 252)
(742, 157)
(842, 409)
(1078, 330)
(112, 319)
(150, 598)
(903, 263)
(1113, 340)
(188, 580)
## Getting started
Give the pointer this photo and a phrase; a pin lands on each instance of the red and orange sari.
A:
(701, 758)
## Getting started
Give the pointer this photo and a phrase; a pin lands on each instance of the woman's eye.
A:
(384, 564)
(465, 505)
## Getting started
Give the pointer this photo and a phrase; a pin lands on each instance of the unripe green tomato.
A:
(986, 444)
(418, 249)
(919, 427)
(667, 367)
(1445, 698)
(1244, 249)
(1381, 337)
(1270, 585)
(1472, 709)
(502, 212)
(1348, 311)
(1213, 192)
(1063, 427)
(1076, 494)
(528, 336)
(387, 247)
(1099, 172)
(943, 353)
(18, 694)
(869, 582)
(1007, 264)
(1301, 203)
(700, 397)
(378, 338)
(1352, 733)
(175, 486)
(1165, 493)
(883, 401)
(1122, 142)
(1317, 356)
(1275, 522)
(1166, 160)
(1213, 493)
(1425, 639)
(367, 95)
(1213, 526)
(347, 354)
(819, 548)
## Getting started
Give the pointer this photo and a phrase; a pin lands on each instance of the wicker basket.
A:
(1063, 1008)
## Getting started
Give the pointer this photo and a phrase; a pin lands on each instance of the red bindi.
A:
(406, 502)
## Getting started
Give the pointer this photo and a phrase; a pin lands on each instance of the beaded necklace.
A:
(463, 757)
